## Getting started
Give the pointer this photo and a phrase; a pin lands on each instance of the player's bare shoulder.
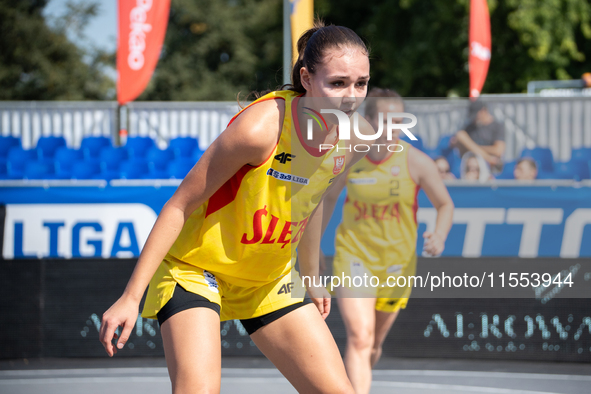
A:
(257, 128)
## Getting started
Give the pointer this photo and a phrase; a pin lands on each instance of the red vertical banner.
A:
(142, 26)
(480, 45)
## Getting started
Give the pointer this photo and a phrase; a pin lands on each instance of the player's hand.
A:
(434, 244)
(321, 298)
(122, 313)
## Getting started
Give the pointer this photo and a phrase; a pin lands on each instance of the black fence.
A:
(52, 308)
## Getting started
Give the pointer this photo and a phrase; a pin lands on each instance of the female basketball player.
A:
(378, 235)
(223, 245)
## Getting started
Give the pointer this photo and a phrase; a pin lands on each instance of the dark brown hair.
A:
(314, 43)
(370, 105)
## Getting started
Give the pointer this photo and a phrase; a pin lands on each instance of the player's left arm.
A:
(429, 180)
(308, 258)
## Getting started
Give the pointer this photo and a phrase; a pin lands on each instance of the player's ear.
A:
(305, 78)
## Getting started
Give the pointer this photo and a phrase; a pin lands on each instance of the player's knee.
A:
(361, 338)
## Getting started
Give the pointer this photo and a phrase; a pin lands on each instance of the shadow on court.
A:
(257, 375)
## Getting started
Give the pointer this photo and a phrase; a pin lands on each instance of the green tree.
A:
(214, 49)
(38, 62)
(420, 46)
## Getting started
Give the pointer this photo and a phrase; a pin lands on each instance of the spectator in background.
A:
(474, 168)
(526, 169)
(444, 169)
(482, 135)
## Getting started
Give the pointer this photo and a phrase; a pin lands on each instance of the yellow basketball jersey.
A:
(246, 234)
(379, 224)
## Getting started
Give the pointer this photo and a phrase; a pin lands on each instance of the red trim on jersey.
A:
(253, 103)
(415, 205)
(227, 193)
(296, 124)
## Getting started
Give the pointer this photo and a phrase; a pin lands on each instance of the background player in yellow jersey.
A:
(223, 244)
(378, 235)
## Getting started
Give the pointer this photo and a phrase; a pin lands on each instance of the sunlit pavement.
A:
(255, 375)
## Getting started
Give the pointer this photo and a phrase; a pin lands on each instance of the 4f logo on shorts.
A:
(339, 162)
(212, 283)
(284, 157)
(286, 288)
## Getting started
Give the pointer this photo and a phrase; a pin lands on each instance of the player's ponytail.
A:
(313, 44)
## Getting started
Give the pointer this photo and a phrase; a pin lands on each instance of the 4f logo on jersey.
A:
(286, 288)
(284, 157)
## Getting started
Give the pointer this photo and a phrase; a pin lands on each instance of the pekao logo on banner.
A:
(480, 51)
(344, 127)
(137, 34)
(142, 27)
(76, 230)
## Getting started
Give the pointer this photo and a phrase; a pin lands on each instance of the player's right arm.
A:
(250, 139)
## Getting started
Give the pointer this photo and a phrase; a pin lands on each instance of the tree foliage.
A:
(420, 46)
(214, 49)
(38, 62)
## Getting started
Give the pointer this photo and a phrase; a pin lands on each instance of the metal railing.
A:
(166, 120)
(73, 120)
(558, 123)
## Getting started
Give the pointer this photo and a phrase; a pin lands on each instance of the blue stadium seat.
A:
(111, 158)
(417, 144)
(159, 159)
(443, 145)
(107, 175)
(64, 161)
(543, 156)
(3, 169)
(507, 172)
(138, 146)
(92, 146)
(86, 169)
(583, 154)
(432, 153)
(38, 170)
(179, 168)
(183, 146)
(6, 143)
(46, 146)
(455, 162)
(134, 168)
(156, 174)
(16, 161)
(582, 169)
(546, 175)
(579, 168)
(565, 170)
